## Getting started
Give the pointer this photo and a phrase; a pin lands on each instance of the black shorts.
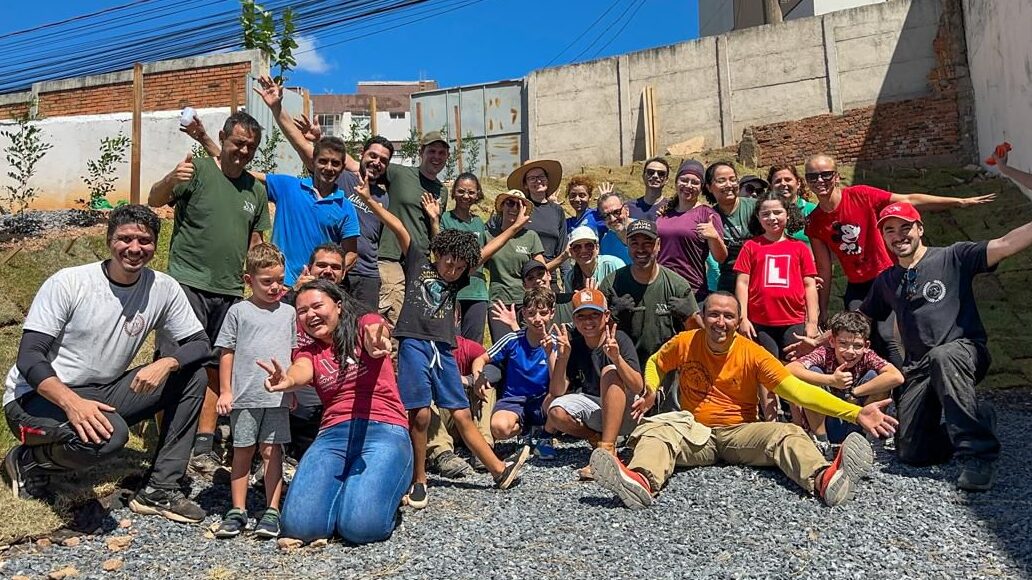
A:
(210, 309)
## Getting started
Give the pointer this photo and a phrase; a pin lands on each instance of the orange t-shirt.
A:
(720, 390)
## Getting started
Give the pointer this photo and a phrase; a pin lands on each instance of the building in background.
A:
(720, 16)
(346, 116)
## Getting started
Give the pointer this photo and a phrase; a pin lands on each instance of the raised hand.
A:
(278, 381)
(195, 129)
(269, 91)
(362, 189)
(842, 378)
(309, 128)
(605, 188)
(610, 347)
(803, 347)
(304, 278)
(523, 218)
(431, 205)
(184, 171)
(979, 199)
(874, 420)
(378, 341)
(559, 338)
(506, 314)
(708, 229)
(625, 303)
(746, 328)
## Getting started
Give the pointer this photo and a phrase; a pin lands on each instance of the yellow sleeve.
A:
(663, 361)
(653, 374)
(816, 399)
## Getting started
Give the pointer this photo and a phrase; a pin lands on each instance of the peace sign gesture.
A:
(558, 341)
(362, 188)
(609, 344)
(377, 340)
(278, 380)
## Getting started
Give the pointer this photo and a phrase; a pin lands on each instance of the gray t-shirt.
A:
(100, 326)
(256, 333)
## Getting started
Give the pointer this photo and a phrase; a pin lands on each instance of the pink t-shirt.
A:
(777, 295)
(851, 232)
(367, 389)
(680, 248)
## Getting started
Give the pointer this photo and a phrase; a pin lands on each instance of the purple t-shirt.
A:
(680, 248)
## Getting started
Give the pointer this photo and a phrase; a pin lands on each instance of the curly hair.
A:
(345, 336)
(711, 173)
(852, 322)
(459, 245)
(804, 191)
(581, 180)
(795, 221)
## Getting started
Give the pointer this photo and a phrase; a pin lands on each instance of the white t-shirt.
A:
(99, 326)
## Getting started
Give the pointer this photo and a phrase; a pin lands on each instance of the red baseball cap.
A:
(589, 299)
(901, 210)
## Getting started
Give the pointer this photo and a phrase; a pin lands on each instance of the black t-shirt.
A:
(933, 301)
(428, 312)
(652, 321)
(549, 221)
(584, 371)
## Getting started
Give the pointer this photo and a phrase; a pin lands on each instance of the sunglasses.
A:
(512, 203)
(582, 246)
(613, 214)
(821, 175)
(910, 283)
(750, 188)
(655, 172)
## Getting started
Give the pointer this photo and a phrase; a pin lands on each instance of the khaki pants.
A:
(440, 437)
(674, 440)
(392, 289)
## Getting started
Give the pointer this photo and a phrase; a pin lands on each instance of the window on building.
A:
(400, 115)
(330, 124)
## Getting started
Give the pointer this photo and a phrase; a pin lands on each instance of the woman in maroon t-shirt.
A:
(354, 475)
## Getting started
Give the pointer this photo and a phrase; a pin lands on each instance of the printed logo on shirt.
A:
(847, 236)
(249, 207)
(135, 325)
(693, 377)
(521, 249)
(357, 201)
(775, 271)
(933, 291)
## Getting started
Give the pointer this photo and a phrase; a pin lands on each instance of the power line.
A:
(581, 35)
(619, 32)
(603, 33)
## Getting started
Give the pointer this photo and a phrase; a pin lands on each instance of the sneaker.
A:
(169, 503)
(232, 524)
(513, 465)
(449, 465)
(824, 446)
(268, 527)
(478, 465)
(289, 469)
(28, 481)
(630, 486)
(205, 463)
(854, 461)
(542, 446)
(417, 497)
(977, 475)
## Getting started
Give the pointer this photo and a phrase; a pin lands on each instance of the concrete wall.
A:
(1000, 57)
(590, 113)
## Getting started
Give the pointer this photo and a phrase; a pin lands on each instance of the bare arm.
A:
(1019, 176)
(256, 238)
(822, 257)
(813, 309)
(937, 202)
(507, 234)
(807, 376)
(390, 220)
(279, 381)
(1009, 244)
(161, 192)
(350, 247)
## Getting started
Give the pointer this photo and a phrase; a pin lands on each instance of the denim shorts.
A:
(427, 373)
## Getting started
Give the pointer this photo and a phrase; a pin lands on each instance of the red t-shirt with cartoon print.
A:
(777, 294)
(851, 232)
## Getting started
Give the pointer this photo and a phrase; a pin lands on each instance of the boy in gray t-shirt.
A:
(260, 328)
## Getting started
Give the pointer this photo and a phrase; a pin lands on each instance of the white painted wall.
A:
(1000, 61)
(77, 139)
(826, 6)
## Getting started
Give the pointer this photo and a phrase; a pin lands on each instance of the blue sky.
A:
(490, 40)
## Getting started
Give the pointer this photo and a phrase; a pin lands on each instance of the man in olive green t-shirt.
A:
(220, 211)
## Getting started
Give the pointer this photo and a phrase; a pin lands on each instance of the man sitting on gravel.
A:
(70, 399)
(719, 372)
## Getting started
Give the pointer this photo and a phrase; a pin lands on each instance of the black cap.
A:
(531, 266)
(644, 227)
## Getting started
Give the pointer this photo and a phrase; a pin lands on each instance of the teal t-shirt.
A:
(806, 207)
(477, 289)
(736, 233)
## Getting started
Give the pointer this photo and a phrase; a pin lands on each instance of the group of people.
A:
(690, 329)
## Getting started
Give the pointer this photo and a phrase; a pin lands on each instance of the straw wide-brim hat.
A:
(552, 168)
(511, 194)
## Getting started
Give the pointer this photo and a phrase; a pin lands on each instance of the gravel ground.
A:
(34, 223)
(718, 522)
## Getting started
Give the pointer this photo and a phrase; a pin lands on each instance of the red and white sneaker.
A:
(630, 486)
(854, 461)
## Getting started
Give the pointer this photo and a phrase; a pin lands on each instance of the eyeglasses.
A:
(613, 214)
(582, 246)
(821, 175)
(752, 189)
(910, 283)
(539, 178)
(512, 203)
(655, 172)
(466, 192)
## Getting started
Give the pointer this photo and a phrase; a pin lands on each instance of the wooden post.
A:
(134, 160)
(648, 111)
(372, 116)
(234, 98)
(458, 138)
(306, 103)
(419, 119)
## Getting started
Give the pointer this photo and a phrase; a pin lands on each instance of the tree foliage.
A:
(259, 30)
(24, 152)
(100, 178)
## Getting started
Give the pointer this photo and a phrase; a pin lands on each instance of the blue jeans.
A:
(837, 428)
(350, 481)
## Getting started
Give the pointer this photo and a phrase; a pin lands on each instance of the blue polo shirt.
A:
(526, 366)
(612, 245)
(305, 221)
(589, 218)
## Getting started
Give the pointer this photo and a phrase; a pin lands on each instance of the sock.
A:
(202, 443)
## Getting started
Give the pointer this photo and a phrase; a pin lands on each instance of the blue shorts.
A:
(527, 409)
(427, 373)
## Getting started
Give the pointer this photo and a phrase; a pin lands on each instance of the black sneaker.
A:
(449, 465)
(268, 527)
(232, 524)
(977, 475)
(417, 497)
(28, 480)
(513, 465)
(205, 463)
(168, 503)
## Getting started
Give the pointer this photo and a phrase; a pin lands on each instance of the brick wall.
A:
(13, 110)
(162, 91)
